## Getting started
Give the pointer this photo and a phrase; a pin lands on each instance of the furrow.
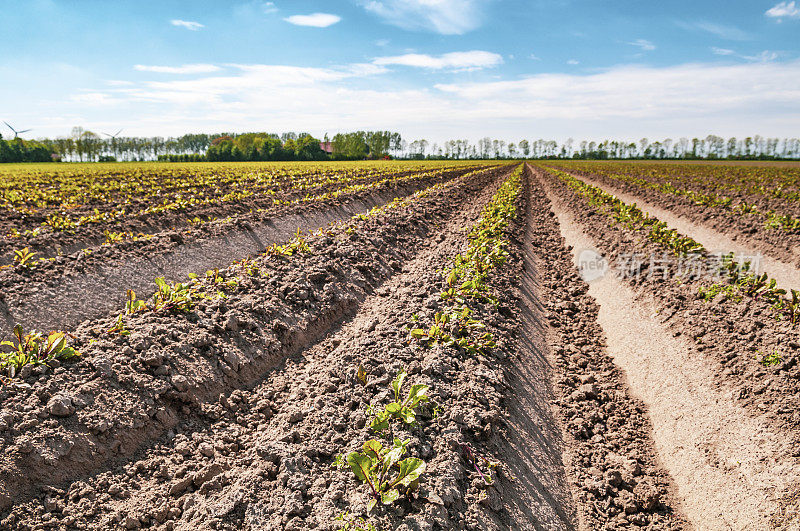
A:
(732, 466)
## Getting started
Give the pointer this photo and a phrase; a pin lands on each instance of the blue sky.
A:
(434, 69)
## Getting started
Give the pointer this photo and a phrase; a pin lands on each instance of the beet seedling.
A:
(173, 297)
(768, 360)
(352, 523)
(113, 237)
(132, 305)
(25, 258)
(34, 349)
(474, 459)
(400, 410)
(792, 307)
(119, 327)
(384, 472)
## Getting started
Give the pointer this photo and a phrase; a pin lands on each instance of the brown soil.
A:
(60, 294)
(230, 416)
(739, 417)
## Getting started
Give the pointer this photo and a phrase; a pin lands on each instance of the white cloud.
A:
(762, 57)
(722, 51)
(268, 8)
(720, 30)
(573, 62)
(624, 101)
(315, 20)
(644, 44)
(199, 68)
(783, 9)
(447, 17)
(535, 57)
(382, 42)
(471, 60)
(93, 98)
(188, 24)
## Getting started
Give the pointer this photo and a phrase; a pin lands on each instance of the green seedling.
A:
(730, 293)
(352, 523)
(402, 410)
(132, 305)
(25, 258)
(34, 349)
(119, 327)
(295, 246)
(174, 297)
(768, 360)
(792, 307)
(387, 476)
(113, 237)
(454, 328)
(476, 460)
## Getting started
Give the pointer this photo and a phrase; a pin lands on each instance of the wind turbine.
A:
(16, 133)
(114, 141)
(114, 136)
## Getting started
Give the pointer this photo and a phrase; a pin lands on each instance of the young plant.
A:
(455, 328)
(25, 258)
(34, 349)
(768, 360)
(113, 237)
(173, 297)
(792, 307)
(387, 476)
(708, 293)
(132, 305)
(296, 245)
(402, 410)
(119, 327)
(352, 523)
(475, 459)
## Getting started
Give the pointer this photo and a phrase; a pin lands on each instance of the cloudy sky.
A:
(434, 69)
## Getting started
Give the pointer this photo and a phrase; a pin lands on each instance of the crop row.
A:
(379, 463)
(209, 194)
(739, 278)
(34, 349)
(26, 259)
(771, 219)
(768, 182)
(467, 278)
(39, 187)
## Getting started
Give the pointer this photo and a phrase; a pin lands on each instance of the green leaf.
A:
(371, 504)
(393, 408)
(389, 496)
(417, 333)
(411, 469)
(360, 464)
(393, 456)
(416, 395)
(407, 415)
(373, 449)
(397, 384)
(379, 423)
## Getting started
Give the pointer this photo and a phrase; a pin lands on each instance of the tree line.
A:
(83, 145)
